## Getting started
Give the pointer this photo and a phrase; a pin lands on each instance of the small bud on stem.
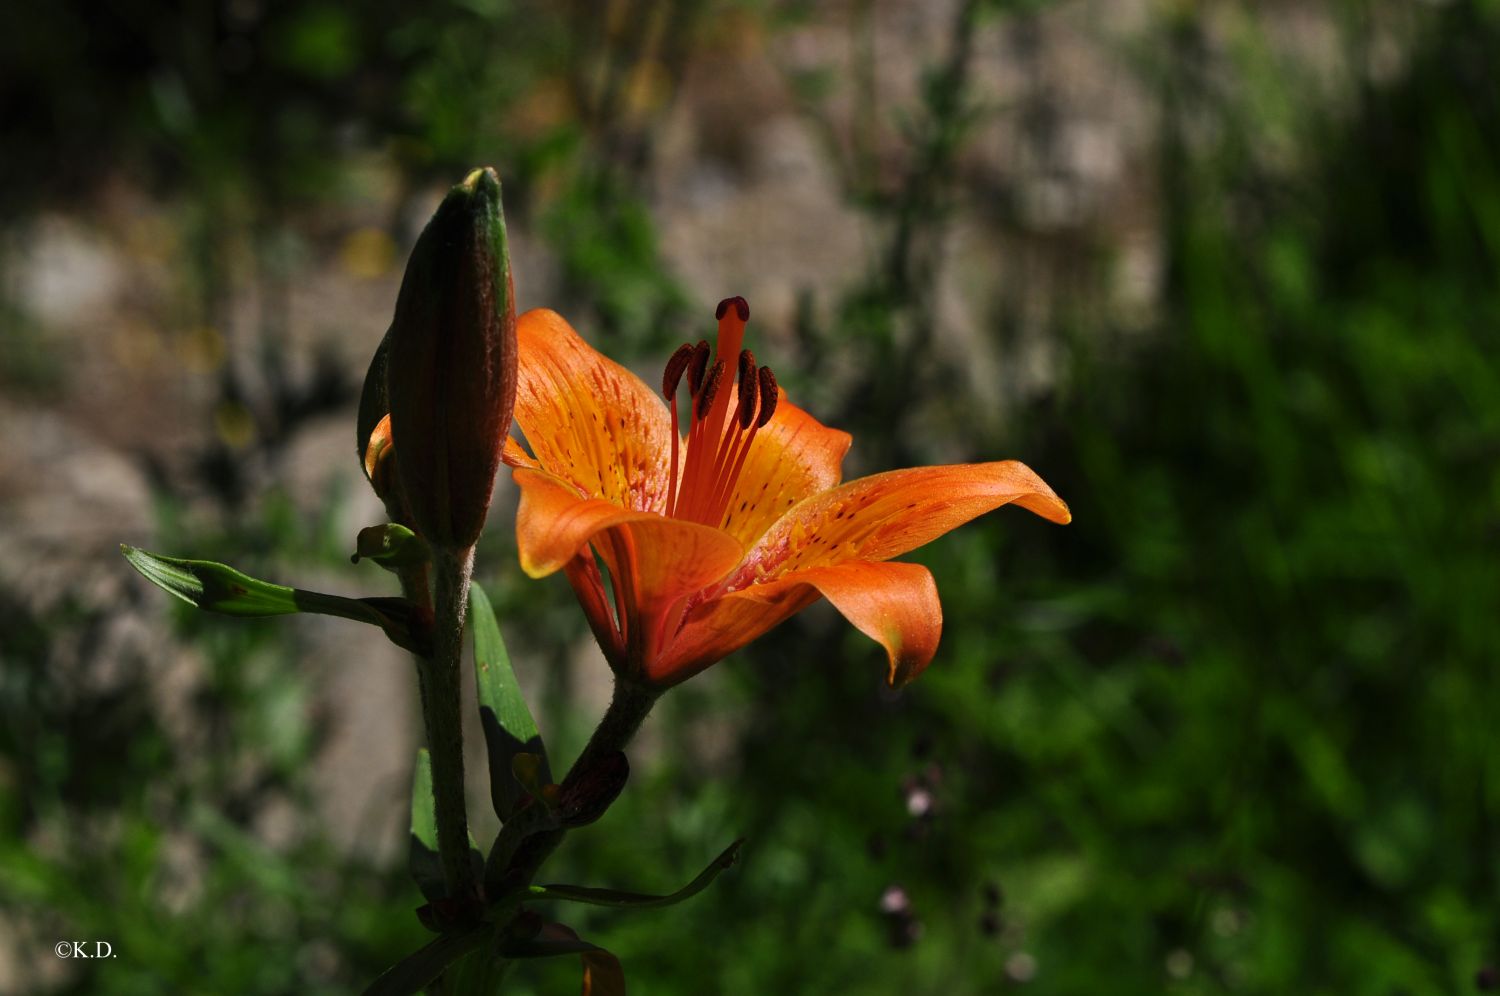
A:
(451, 372)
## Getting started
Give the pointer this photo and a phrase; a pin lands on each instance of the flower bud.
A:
(380, 467)
(451, 366)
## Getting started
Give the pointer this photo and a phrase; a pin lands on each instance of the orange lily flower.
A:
(713, 538)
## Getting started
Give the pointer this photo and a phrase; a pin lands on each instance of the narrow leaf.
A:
(602, 973)
(478, 973)
(547, 947)
(636, 900)
(416, 971)
(508, 727)
(422, 858)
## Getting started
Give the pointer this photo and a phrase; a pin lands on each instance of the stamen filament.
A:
(672, 479)
(725, 490)
(705, 467)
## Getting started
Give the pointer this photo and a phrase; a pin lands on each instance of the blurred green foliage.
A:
(1230, 731)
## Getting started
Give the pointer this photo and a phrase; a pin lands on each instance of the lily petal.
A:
(895, 604)
(667, 558)
(587, 419)
(793, 456)
(515, 455)
(886, 515)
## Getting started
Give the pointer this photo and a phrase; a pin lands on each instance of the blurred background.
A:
(1227, 276)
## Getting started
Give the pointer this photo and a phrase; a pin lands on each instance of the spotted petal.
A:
(587, 419)
(894, 604)
(885, 515)
(654, 560)
(793, 456)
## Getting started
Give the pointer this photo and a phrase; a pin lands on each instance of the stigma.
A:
(730, 400)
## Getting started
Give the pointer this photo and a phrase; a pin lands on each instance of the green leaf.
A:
(417, 970)
(478, 973)
(636, 900)
(602, 973)
(216, 587)
(422, 857)
(508, 727)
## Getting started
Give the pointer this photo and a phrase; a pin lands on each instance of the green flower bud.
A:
(451, 364)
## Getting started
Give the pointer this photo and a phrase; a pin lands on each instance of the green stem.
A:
(628, 709)
(442, 711)
(522, 845)
(520, 850)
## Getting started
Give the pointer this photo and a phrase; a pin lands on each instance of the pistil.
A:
(718, 440)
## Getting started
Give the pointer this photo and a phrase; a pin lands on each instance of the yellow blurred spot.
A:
(368, 253)
(235, 427)
(201, 349)
(648, 88)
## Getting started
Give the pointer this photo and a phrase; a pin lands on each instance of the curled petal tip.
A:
(903, 672)
(537, 569)
(1048, 506)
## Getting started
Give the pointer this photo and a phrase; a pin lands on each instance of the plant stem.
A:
(442, 711)
(520, 851)
(628, 709)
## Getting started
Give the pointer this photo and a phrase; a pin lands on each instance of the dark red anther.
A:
(768, 395)
(740, 305)
(747, 367)
(698, 368)
(710, 388)
(748, 389)
(675, 367)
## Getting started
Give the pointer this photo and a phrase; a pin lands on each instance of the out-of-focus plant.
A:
(681, 549)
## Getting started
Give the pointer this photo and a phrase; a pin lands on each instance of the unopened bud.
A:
(380, 465)
(451, 369)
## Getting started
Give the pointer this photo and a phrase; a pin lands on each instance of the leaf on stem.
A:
(636, 900)
(220, 588)
(508, 727)
(602, 973)
(417, 970)
(422, 856)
